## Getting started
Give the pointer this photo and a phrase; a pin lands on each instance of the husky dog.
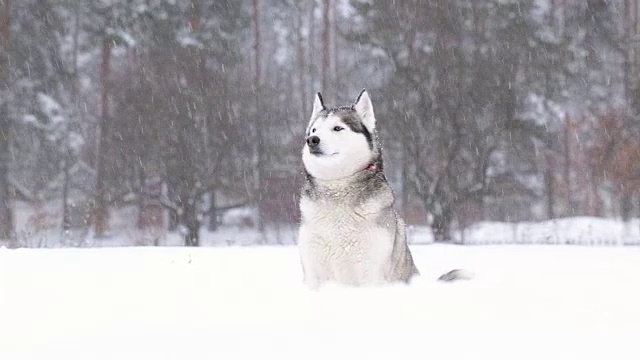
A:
(350, 233)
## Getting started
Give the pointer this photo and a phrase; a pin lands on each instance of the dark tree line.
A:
(481, 93)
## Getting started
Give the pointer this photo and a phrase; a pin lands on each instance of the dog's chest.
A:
(338, 228)
(350, 244)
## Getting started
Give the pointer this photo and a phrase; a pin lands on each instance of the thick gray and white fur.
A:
(350, 233)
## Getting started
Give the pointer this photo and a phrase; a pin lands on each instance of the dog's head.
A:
(340, 141)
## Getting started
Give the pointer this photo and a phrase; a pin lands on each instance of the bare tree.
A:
(326, 45)
(311, 48)
(301, 59)
(454, 122)
(257, 44)
(259, 123)
(101, 216)
(6, 213)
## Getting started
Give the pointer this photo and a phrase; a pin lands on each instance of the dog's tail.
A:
(455, 275)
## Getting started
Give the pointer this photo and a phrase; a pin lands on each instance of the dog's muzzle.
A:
(313, 142)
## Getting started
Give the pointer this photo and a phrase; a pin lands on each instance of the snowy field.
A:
(40, 228)
(525, 302)
(590, 231)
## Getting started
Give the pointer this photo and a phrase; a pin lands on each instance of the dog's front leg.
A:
(309, 277)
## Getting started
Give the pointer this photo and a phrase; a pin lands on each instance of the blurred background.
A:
(180, 122)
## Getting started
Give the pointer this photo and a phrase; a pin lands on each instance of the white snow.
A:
(541, 111)
(188, 40)
(50, 108)
(524, 302)
(567, 231)
(122, 37)
(586, 231)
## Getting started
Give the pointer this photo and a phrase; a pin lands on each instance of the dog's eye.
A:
(338, 128)
(313, 130)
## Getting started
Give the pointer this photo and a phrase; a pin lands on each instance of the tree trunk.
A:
(69, 158)
(441, 226)
(595, 208)
(311, 49)
(628, 68)
(326, 45)
(66, 215)
(101, 210)
(174, 220)
(192, 224)
(404, 195)
(337, 85)
(194, 21)
(6, 213)
(626, 205)
(142, 200)
(213, 212)
(302, 70)
(259, 135)
(76, 52)
(549, 187)
(257, 42)
(568, 164)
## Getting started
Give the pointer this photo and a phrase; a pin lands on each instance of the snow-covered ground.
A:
(39, 227)
(525, 302)
(570, 231)
(566, 231)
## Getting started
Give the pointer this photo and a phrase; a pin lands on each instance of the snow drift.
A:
(533, 302)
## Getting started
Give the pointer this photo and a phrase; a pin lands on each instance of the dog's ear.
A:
(318, 105)
(364, 109)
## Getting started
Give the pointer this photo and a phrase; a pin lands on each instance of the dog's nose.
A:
(313, 141)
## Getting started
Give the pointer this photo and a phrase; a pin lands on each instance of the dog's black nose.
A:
(313, 141)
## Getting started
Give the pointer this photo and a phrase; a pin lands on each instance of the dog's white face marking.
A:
(341, 152)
